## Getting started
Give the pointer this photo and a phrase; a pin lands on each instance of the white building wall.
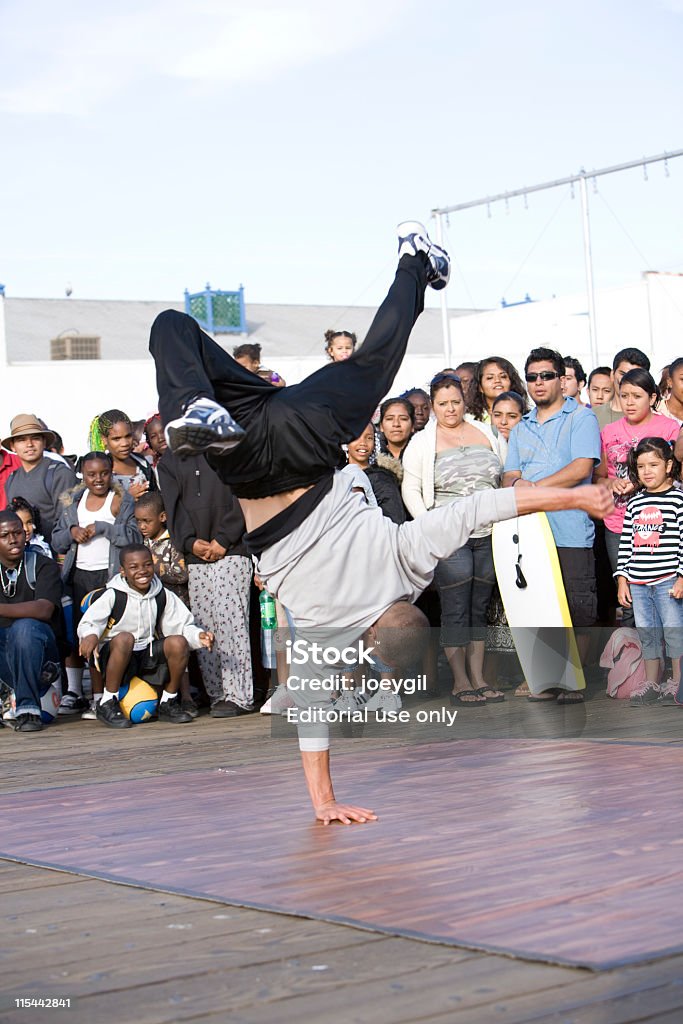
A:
(647, 315)
(67, 395)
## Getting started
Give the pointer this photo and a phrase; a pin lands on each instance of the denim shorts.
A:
(659, 618)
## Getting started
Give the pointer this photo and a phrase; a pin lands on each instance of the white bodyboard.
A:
(538, 614)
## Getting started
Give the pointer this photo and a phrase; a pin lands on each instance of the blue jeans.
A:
(658, 616)
(465, 580)
(29, 662)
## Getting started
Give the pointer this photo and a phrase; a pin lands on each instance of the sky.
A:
(153, 146)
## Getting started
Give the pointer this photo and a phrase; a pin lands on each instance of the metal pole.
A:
(528, 189)
(445, 322)
(588, 260)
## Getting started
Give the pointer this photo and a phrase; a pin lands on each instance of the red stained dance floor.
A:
(555, 850)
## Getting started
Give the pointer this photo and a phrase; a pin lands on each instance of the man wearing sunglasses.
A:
(557, 444)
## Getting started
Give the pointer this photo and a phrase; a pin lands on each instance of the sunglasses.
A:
(531, 378)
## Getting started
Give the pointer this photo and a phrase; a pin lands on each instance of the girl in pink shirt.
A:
(639, 396)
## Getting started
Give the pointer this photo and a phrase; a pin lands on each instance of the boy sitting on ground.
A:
(151, 637)
(170, 567)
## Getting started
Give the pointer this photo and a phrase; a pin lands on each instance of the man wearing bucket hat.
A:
(38, 479)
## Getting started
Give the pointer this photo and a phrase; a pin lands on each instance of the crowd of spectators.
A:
(182, 610)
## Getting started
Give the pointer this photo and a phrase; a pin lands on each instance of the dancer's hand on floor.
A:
(347, 814)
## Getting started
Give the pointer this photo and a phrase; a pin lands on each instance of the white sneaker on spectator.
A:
(346, 702)
(278, 702)
(667, 692)
(90, 713)
(72, 704)
(384, 700)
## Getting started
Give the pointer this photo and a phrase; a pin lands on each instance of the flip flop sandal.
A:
(545, 697)
(522, 690)
(483, 690)
(570, 697)
(457, 698)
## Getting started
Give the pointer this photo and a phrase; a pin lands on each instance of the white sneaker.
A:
(667, 692)
(383, 700)
(72, 704)
(204, 426)
(413, 238)
(346, 702)
(90, 713)
(278, 702)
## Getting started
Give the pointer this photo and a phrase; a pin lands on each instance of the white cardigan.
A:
(417, 489)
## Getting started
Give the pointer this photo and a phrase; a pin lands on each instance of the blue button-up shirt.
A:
(537, 450)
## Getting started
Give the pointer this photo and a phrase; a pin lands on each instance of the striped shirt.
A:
(651, 546)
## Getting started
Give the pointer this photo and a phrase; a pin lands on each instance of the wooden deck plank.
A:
(398, 996)
(664, 1018)
(587, 991)
(38, 878)
(627, 1009)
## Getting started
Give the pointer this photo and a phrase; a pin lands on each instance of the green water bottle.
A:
(268, 626)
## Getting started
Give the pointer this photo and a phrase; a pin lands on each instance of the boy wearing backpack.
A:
(139, 628)
(30, 622)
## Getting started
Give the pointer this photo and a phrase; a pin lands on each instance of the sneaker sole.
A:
(190, 440)
(440, 282)
(125, 724)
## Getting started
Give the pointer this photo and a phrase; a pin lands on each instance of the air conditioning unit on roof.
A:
(75, 346)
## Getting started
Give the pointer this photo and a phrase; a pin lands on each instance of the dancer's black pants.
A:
(293, 433)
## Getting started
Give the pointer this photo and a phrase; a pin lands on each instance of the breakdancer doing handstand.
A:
(343, 569)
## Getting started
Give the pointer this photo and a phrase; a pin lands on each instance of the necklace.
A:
(9, 588)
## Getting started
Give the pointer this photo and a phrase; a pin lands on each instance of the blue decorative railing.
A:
(217, 312)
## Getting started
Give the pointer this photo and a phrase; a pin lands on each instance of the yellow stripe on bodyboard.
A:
(562, 598)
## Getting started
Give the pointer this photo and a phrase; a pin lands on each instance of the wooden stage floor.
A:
(547, 849)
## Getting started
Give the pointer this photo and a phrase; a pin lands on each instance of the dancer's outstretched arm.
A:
(595, 499)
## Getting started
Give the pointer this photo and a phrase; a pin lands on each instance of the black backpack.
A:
(30, 567)
(120, 604)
